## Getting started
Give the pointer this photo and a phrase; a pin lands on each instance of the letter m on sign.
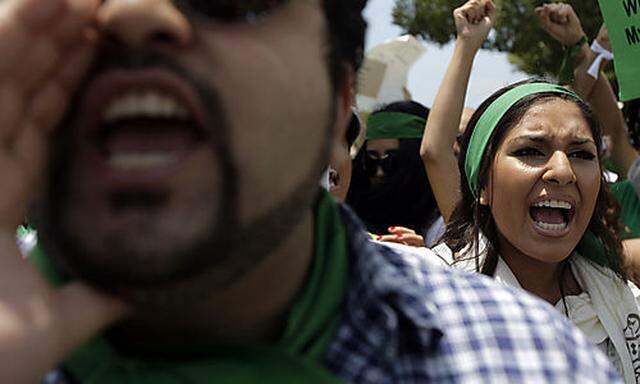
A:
(633, 35)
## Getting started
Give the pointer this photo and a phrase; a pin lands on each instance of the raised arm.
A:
(561, 22)
(605, 104)
(44, 54)
(473, 22)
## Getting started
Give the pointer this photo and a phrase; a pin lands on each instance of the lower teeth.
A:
(140, 160)
(551, 227)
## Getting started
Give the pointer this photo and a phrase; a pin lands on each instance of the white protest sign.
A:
(385, 71)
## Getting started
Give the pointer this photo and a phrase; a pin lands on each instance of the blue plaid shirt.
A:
(409, 321)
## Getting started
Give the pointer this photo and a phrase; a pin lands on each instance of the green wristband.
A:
(566, 69)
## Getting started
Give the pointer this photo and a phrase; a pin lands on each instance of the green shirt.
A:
(297, 357)
(627, 197)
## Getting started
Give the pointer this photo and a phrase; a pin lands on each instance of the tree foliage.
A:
(517, 30)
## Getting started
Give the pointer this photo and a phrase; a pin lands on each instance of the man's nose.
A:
(144, 23)
(559, 170)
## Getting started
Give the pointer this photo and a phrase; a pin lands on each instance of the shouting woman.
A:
(534, 212)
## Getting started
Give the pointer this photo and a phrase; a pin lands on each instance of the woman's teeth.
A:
(551, 215)
(553, 204)
(551, 227)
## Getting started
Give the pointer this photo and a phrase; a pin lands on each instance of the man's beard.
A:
(214, 258)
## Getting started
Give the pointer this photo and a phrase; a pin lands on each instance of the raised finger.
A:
(413, 240)
(36, 63)
(12, 109)
(36, 14)
(30, 47)
(389, 239)
(474, 13)
(50, 102)
(72, 25)
(396, 230)
(30, 152)
(541, 13)
(18, 20)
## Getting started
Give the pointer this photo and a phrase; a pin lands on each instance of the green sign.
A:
(622, 18)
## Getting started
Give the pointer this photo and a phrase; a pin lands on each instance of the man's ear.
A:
(344, 102)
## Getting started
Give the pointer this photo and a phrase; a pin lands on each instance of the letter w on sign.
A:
(622, 18)
(630, 7)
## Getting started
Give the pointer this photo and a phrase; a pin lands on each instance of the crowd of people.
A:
(161, 161)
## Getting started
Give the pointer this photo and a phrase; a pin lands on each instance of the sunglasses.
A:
(230, 11)
(387, 162)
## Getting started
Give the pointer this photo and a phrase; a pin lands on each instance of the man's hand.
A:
(561, 22)
(474, 21)
(45, 52)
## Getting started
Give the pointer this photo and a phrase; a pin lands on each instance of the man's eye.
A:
(527, 152)
(583, 154)
(230, 11)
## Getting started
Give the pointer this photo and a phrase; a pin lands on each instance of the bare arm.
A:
(561, 22)
(605, 104)
(473, 20)
(631, 257)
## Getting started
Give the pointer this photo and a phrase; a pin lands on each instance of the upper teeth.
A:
(145, 104)
(553, 204)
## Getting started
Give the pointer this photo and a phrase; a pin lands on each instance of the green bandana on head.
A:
(489, 121)
(394, 125)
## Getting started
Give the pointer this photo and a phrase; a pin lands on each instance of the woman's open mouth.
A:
(552, 217)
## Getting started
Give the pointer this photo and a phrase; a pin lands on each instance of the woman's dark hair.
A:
(405, 197)
(470, 218)
(632, 116)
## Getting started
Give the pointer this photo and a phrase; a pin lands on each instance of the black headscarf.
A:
(404, 198)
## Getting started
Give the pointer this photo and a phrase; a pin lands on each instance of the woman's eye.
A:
(527, 152)
(584, 155)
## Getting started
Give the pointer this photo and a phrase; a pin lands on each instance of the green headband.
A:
(489, 121)
(394, 125)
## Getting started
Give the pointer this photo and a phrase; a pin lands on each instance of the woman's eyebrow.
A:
(583, 141)
(544, 140)
(533, 138)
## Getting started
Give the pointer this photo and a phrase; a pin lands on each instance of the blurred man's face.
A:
(182, 154)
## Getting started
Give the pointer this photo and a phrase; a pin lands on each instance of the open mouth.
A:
(143, 125)
(145, 130)
(552, 216)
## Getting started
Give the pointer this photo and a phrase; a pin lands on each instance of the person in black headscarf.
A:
(389, 188)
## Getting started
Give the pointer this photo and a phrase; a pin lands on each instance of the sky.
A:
(491, 69)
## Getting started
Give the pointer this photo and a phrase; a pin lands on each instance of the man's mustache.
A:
(112, 56)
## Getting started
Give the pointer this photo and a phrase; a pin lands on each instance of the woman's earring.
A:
(484, 197)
